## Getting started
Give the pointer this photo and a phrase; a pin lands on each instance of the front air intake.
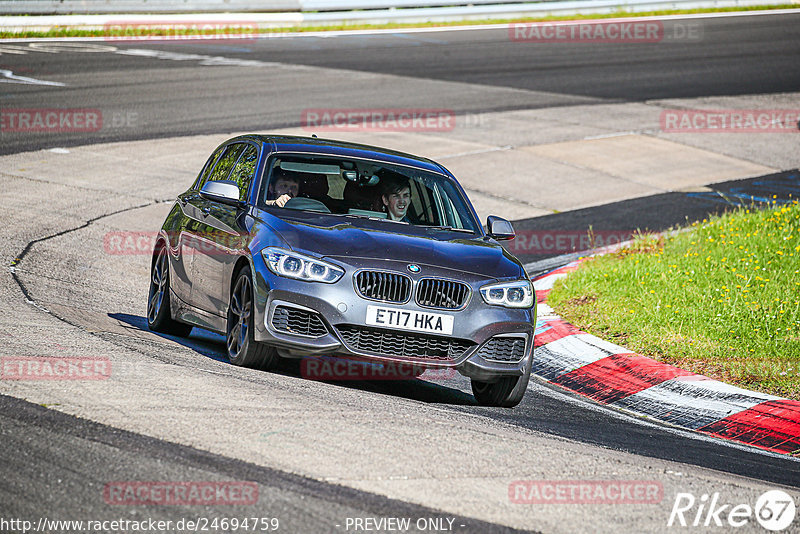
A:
(444, 294)
(383, 286)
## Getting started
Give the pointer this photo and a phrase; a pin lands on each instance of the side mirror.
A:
(499, 228)
(224, 191)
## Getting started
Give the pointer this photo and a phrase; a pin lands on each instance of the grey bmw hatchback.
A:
(296, 247)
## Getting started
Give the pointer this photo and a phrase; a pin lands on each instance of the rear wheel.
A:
(159, 318)
(506, 392)
(243, 349)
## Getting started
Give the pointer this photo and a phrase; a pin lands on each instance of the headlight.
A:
(517, 294)
(293, 265)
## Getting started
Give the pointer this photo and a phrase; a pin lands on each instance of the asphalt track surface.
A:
(747, 55)
(88, 452)
(736, 56)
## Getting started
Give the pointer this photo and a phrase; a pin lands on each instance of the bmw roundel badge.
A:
(413, 267)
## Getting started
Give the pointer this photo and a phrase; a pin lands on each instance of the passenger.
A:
(396, 197)
(315, 187)
(362, 197)
(282, 188)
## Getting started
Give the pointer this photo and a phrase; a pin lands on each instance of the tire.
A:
(506, 392)
(159, 318)
(243, 349)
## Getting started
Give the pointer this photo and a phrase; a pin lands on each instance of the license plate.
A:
(418, 321)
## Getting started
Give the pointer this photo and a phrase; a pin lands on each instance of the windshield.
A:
(360, 188)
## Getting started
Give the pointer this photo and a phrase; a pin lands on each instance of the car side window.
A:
(208, 168)
(422, 195)
(225, 163)
(244, 170)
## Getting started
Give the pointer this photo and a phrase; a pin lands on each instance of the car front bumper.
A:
(333, 319)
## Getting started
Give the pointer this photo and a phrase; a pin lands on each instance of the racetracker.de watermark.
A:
(585, 492)
(605, 31)
(50, 120)
(182, 493)
(378, 120)
(66, 120)
(153, 30)
(730, 121)
(335, 369)
(55, 368)
(129, 243)
(563, 241)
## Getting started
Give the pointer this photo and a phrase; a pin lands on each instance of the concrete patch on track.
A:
(543, 241)
(531, 180)
(530, 163)
(648, 162)
(770, 148)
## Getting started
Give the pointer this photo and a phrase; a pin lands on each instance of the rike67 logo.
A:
(774, 510)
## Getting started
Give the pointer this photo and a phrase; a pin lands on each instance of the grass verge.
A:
(722, 299)
(173, 32)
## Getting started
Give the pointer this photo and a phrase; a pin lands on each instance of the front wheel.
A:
(159, 318)
(243, 349)
(506, 392)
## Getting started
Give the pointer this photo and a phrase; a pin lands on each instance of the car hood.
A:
(336, 237)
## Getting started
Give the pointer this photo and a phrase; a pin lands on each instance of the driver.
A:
(282, 188)
(396, 198)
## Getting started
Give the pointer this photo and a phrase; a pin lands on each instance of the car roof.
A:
(333, 147)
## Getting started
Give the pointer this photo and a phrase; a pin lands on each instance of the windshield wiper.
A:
(372, 218)
(359, 216)
(437, 227)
